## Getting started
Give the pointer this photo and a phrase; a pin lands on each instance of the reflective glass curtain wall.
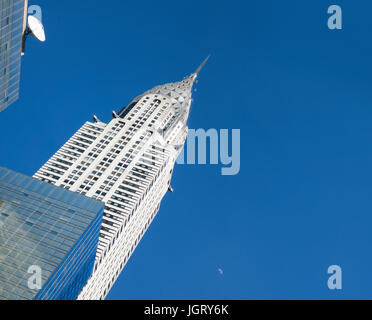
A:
(48, 227)
(12, 19)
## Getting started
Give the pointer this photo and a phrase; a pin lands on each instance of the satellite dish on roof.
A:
(36, 28)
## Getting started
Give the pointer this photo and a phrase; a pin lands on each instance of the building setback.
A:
(45, 231)
(128, 164)
(13, 15)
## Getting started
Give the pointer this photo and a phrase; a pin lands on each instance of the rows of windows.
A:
(11, 32)
(91, 157)
(128, 191)
(40, 224)
(117, 163)
(64, 159)
(116, 207)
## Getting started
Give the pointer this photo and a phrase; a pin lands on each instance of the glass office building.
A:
(47, 234)
(12, 26)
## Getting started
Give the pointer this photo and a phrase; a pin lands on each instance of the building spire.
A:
(196, 73)
(180, 92)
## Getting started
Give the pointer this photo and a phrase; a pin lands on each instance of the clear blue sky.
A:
(301, 95)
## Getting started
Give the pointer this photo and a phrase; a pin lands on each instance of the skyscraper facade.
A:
(12, 26)
(48, 239)
(128, 164)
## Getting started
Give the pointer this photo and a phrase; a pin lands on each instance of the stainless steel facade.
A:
(127, 164)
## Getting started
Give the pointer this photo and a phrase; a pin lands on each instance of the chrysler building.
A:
(127, 164)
